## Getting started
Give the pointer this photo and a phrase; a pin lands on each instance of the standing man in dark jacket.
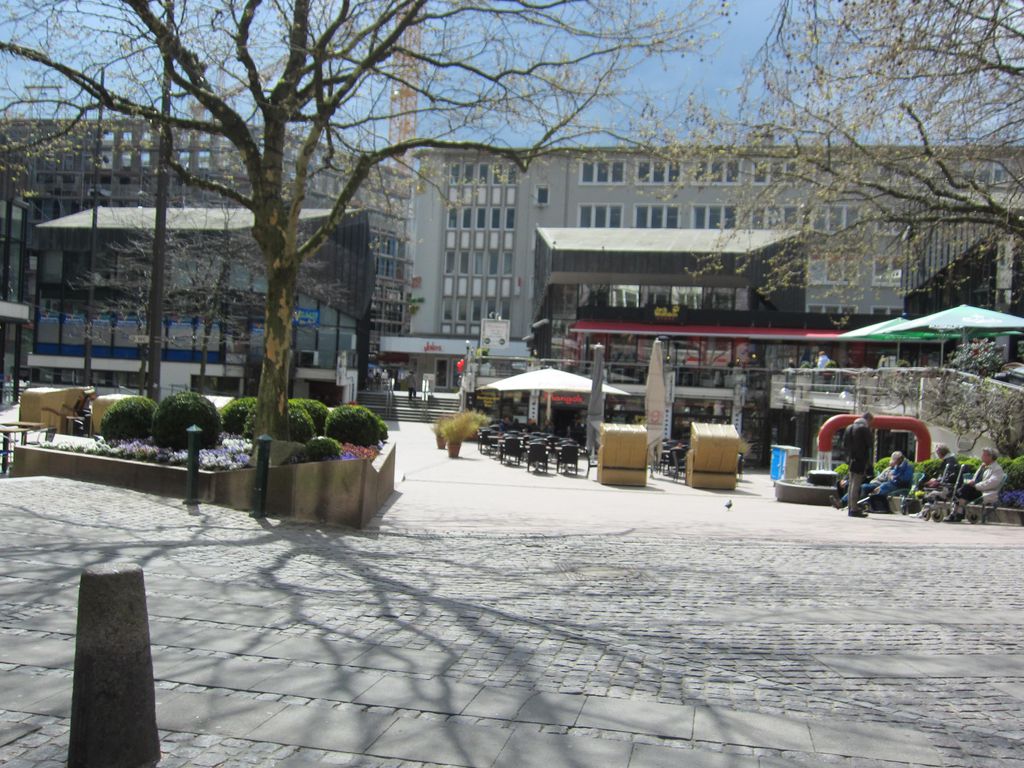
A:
(857, 441)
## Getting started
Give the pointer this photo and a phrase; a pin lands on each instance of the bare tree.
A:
(300, 88)
(911, 108)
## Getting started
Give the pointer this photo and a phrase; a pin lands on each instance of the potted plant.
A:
(460, 427)
(438, 433)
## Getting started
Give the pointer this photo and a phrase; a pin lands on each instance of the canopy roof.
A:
(548, 380)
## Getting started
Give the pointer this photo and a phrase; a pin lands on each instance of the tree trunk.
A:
(272, 404)
(143, 367)
(204, 354)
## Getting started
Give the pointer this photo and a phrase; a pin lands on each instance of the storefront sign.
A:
(573, 399)
(431, 347)
(675, 312)
(488, 398)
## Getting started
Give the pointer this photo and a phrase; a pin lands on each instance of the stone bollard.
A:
(113, 710)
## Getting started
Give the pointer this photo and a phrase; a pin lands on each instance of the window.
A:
(495, 218)
(146, 158)
(656, 172)
(833, 218)
(714, 217)
(485, 173)
(601, 216)
(774, 217)
(467, 175)
(510, 218)
(481, 218)
(492, 263)
(125, 160)
(478, 263)
(830, 269)
(464, 264)
(467, 218)
(886, 270)
(506, 266)
(453, 218)
(449, 262)
(602, 172)
(542, 195)
(657, 216)
(454, 172)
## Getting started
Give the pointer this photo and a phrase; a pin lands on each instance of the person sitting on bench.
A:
(940, 488)
(898, 476)
(984, 485)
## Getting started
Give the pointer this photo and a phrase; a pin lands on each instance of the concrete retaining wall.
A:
(333, 492)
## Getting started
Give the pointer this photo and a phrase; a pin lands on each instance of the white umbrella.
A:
(595, 408)
(548, 380)
(654, 404)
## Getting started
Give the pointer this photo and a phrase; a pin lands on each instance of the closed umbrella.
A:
(595, 408)
(654, 404)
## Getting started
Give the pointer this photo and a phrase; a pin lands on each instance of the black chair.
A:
(486, 440)
(537, 455)
(513, 449)
(568, 454)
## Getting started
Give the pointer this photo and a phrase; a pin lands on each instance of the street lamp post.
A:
(91, 289)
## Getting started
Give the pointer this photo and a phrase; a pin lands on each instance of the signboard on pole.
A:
(494, 334)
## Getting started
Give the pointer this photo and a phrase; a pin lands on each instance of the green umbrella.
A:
(964, 320)
(885, 331)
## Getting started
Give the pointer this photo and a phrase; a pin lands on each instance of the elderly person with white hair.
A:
(984, 486)
(898, 476)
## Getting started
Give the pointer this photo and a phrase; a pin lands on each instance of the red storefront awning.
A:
(720, 331)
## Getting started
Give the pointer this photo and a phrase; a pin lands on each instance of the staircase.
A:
(401, 408)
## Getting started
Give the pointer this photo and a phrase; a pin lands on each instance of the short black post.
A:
(192, 465)
(113, 708)
(259, 491)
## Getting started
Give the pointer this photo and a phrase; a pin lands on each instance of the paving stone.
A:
(212, 671)
(752, 729)
(652, 756)
(526, 749)
(335, 684)
(248, 642)
(12, 732)
(1014, 689)
(233, 716)
(323, 728)
(670, 720)
(315, 649)
(526, 706)
(431, 695)
(874, 741)
(36, 651)
(433, 741)
(20, 691)
(411, 660)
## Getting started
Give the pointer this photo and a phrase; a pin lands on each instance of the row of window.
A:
(474, 308)
(832, 218)
(482, 173)
(481, 218)
(712, 171)
(482, 263)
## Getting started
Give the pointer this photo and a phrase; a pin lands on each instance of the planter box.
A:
(334, 492)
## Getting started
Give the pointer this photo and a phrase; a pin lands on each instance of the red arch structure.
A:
(898, 423)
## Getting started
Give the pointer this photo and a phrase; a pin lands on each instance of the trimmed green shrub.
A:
(843, 470)
(322, 448)
(175, 414)
(382, 428)
(235, 416)
(932, 468)
(300, 425)
(882, 464)
(970, 464)
(1015, 475)
(354, 424)
(317, 411)
(128, 419)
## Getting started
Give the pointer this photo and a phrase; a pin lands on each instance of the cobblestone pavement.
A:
(808, 620)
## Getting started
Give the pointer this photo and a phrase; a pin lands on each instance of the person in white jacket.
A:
(984, 485)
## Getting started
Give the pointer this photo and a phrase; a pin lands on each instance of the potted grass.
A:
(437, 428)
(461, 427)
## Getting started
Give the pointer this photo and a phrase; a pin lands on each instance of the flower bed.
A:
(341, 492)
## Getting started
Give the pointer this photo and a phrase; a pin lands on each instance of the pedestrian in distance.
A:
(857, 442)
